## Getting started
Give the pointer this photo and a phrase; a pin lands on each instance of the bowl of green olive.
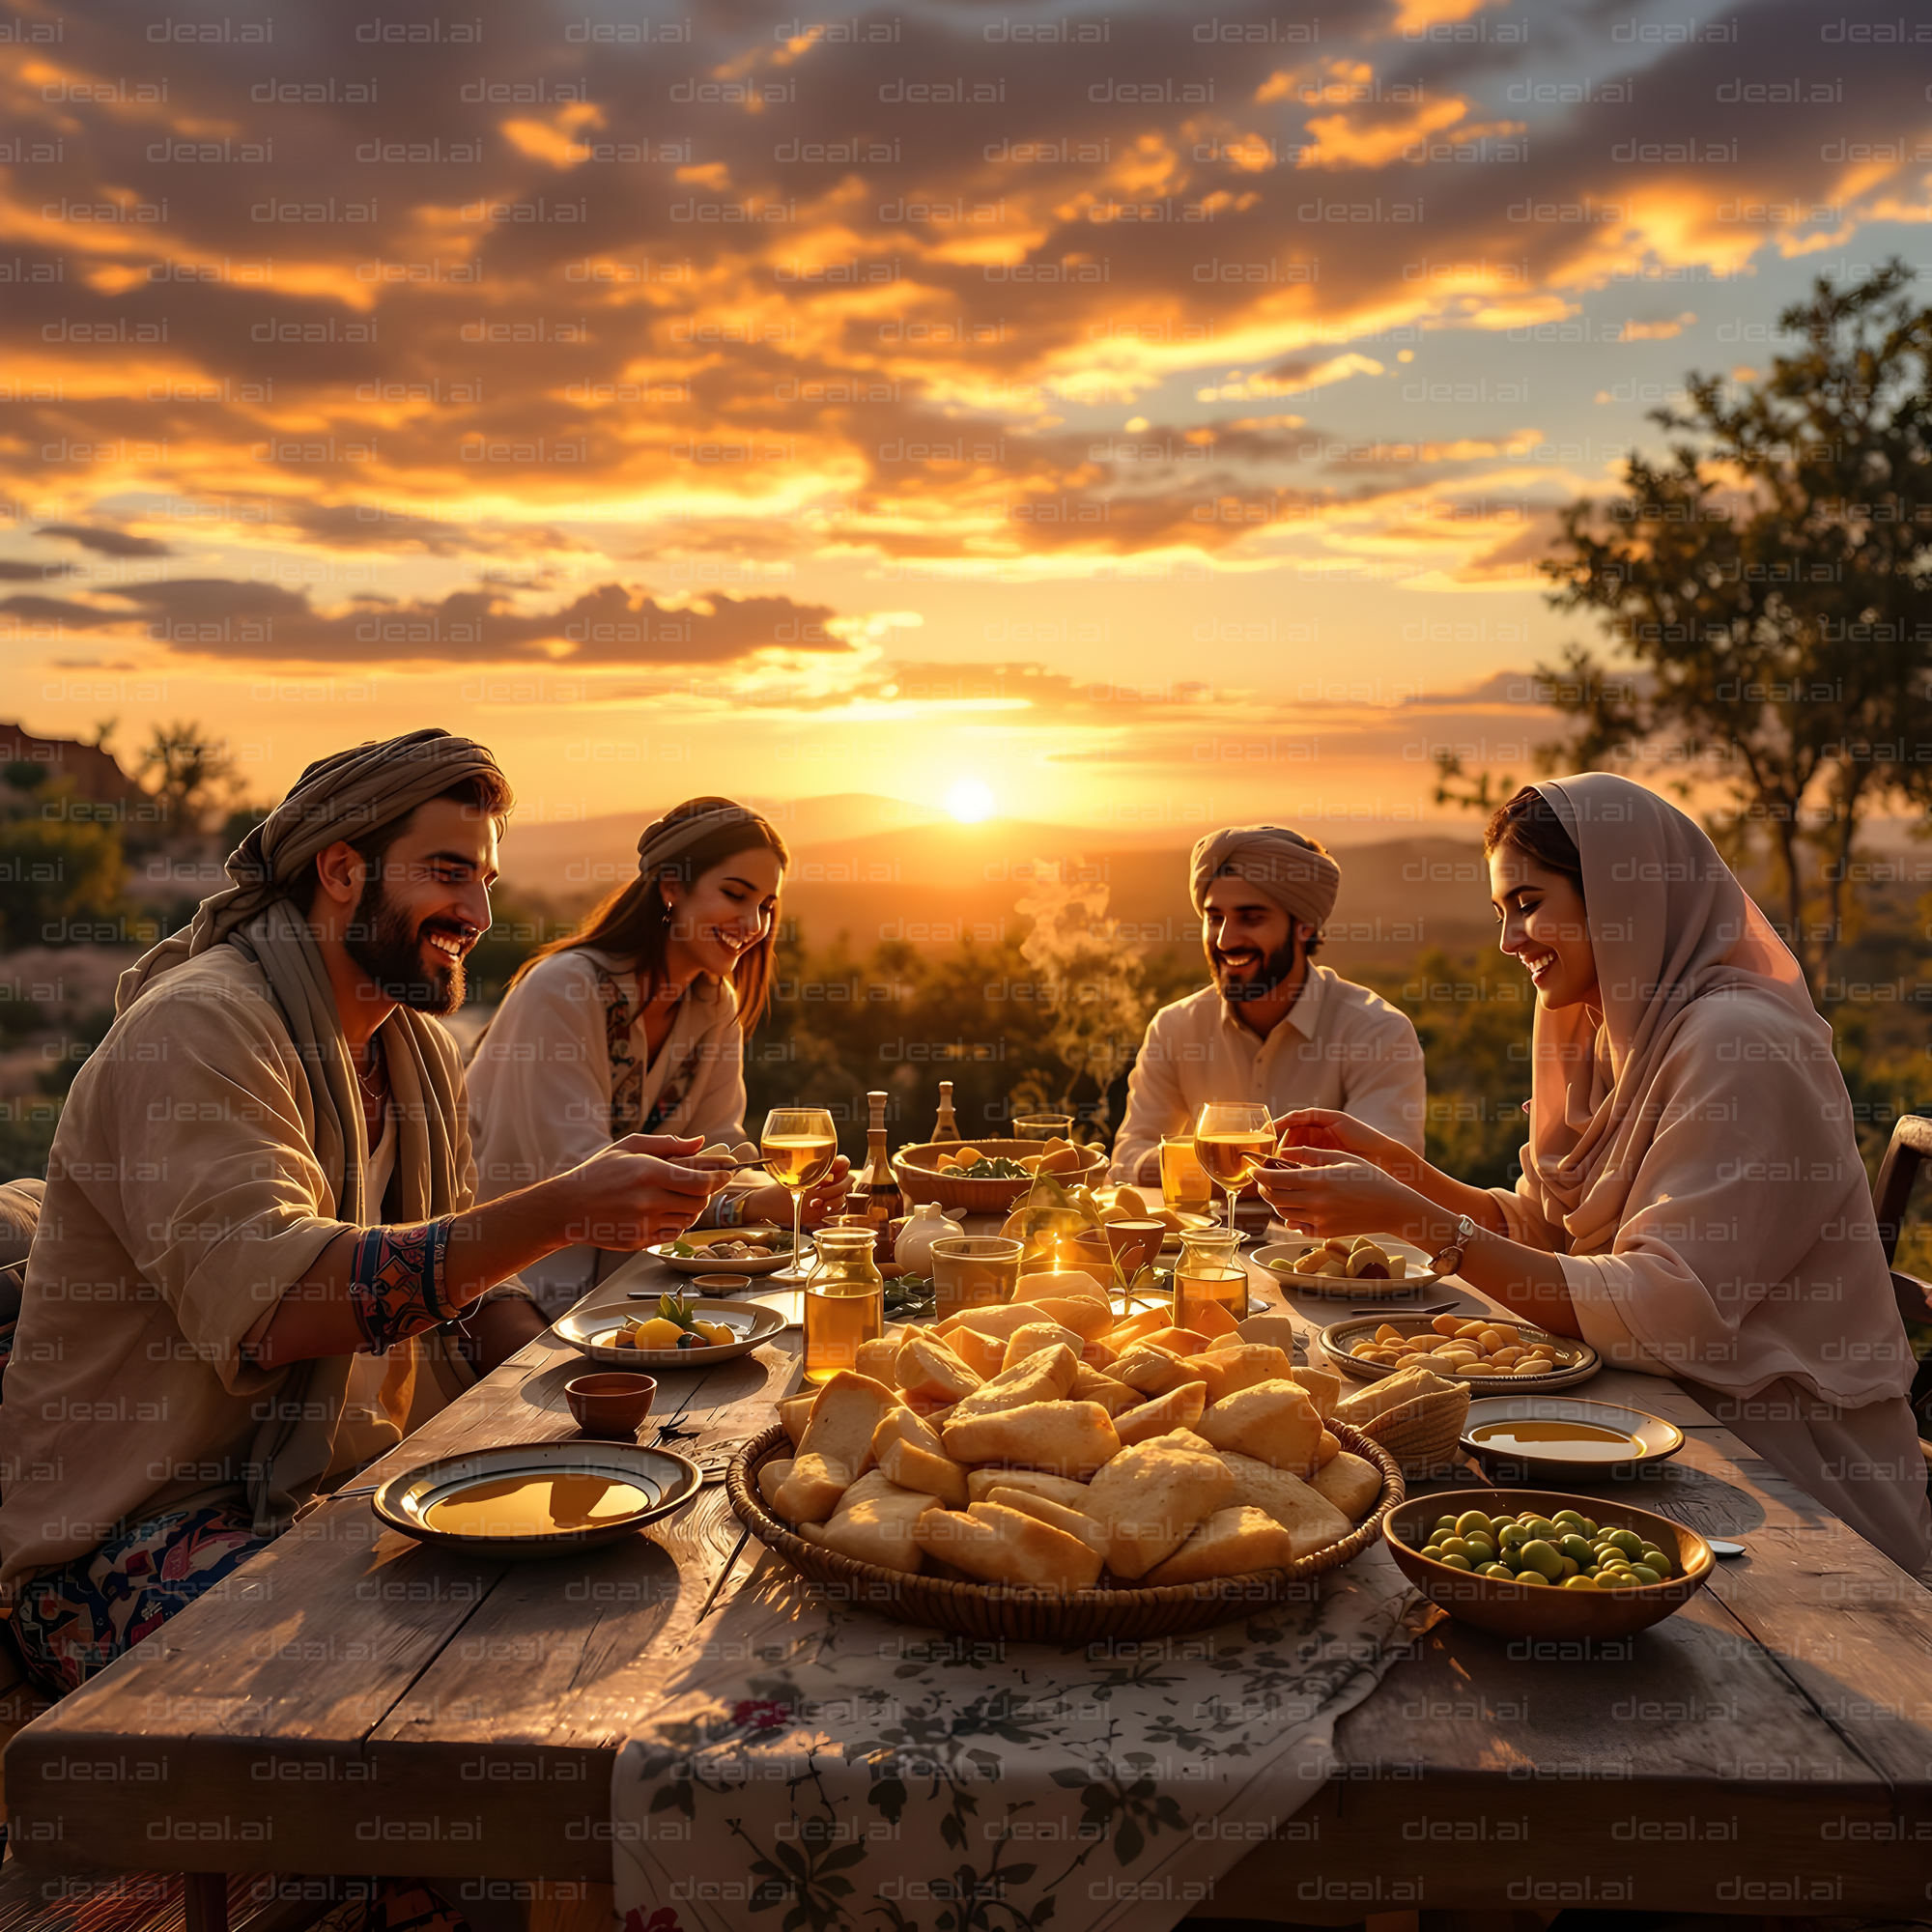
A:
(1534, 1563)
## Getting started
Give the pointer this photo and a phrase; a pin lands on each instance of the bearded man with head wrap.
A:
(1275, 1027)
(257, 1265)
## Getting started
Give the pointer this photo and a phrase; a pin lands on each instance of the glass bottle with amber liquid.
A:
(876, 1194)
(946, 1127)
(844, 1304)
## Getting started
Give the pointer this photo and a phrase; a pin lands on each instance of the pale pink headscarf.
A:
(1706, 1117)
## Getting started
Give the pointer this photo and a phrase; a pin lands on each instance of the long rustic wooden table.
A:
(353, 1702)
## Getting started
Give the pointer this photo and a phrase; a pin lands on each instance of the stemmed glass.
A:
(799, 1144)
(1230, 1138)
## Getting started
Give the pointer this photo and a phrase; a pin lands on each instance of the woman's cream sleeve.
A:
(1596, 1282)
(540, 1084)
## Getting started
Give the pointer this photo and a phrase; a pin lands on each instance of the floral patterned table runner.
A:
(833, 1771)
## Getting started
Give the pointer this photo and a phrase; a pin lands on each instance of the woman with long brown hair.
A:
(635, 1024)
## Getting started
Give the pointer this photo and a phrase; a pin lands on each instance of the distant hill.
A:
(932, 886)
(878, 869)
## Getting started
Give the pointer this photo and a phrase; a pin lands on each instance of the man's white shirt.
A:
(1339, 1045)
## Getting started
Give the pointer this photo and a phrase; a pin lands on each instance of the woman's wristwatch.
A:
(1450, 1259)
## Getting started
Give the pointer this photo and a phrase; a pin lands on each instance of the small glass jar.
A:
(1210, 1269)
(973, 1272)
(844, 1303)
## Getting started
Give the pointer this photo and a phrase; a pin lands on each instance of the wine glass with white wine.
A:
(799, 1144)
(1230, 1138)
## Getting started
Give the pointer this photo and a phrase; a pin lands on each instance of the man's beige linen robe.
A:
(187, 1191)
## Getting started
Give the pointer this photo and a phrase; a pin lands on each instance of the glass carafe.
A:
(1210, 1269)
(844, 1303)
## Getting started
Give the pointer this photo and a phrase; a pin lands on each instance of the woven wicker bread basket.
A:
(918, 1178)
(1031, 1616)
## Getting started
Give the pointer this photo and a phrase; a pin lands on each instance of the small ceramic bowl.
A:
(610, 1406)
(721, 1284)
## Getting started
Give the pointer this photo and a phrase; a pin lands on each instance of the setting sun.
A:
(970, 801)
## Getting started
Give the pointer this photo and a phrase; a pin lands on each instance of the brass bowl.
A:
(921, 1182)
(1526, 1610)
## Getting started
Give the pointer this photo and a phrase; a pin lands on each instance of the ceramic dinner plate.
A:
(706, 1261)
(1576, 1361)
(1546, 1438)
(1341, 1288)
(589, 1330)
(489, 1502)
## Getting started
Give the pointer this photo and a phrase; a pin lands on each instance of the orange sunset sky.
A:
(1147, 414)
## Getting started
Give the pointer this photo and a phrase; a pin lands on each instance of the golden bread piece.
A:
(1000, 1320)
(843, 1418)
(879, 1357)
(1091, 1321)
(1274, 1421)
(771, 1473)
(997, 1545)
(877, 1527)
(1178, 1341)
(794, 1412)
(1231, 1542)
(1312, 1521)
(1210, 1321)
(927, 1366)
(813, 1489)
(1210, 1371)
(1033, 1336)
(1149, 1498)
(1351, 1482)
(985, 1355)
(1135, 1326)
(908, 1452)
(982, 1483)
(1074, 1522)
(1116, 1398)
(1323, 1386)
(932, 1474)
(1276, 1329)
(1045, 1377)
(1064, 1438)
(1362, 1405)
(904, 1425)
(1149, 1368)
(1247, 1363)
(1328, 1448)
(1061, 1284)
(1179, 1408)
(1186, 1439)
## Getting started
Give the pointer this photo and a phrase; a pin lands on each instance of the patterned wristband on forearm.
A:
(395, 1283)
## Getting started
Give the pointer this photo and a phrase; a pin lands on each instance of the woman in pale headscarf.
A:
(1692, 1201)
(637, 1024)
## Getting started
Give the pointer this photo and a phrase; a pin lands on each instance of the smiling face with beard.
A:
(1253, 948)
(420, 907)
(413, 961)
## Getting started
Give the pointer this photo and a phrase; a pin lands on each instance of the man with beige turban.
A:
(1275, 1027)
(257, 1265)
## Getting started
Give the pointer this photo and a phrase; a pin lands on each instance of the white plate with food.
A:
(1486, 1351)
(755, 1250)
(1369, 1267)
(728, 1329)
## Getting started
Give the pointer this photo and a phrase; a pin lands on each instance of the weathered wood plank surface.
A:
(329, 1699)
